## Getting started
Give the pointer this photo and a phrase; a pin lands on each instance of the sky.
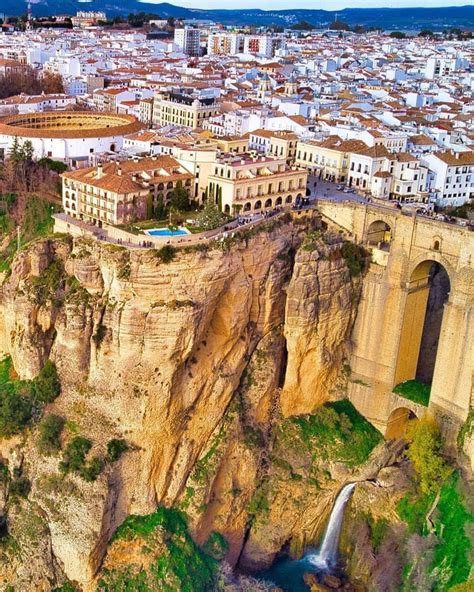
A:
(321, 4)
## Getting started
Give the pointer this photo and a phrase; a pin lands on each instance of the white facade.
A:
(188, 40)
(453, 177)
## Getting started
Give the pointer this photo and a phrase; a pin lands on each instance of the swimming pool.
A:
(167, 232)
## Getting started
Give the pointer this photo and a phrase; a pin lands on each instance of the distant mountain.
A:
(388, 18)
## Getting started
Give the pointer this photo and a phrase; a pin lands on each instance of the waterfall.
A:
(326, 557)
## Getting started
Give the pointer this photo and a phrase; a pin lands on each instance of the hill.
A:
(389, 18)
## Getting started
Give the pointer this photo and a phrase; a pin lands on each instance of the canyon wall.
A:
(181, 359)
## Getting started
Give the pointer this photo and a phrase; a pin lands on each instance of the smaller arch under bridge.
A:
(415, 319)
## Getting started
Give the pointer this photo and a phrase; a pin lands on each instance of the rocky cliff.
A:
(193, 359)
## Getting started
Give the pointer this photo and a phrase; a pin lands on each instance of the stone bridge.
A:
(415, 317)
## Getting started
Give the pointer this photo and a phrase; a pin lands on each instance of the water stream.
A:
(288, 573)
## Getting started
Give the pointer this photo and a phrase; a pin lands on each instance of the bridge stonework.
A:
(388, 329)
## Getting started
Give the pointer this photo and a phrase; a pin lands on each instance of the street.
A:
(326, 190)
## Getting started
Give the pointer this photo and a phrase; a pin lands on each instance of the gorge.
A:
(216, 400)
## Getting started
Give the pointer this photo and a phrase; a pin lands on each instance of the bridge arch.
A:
(397, 422)
(427, 292)
(379, 234)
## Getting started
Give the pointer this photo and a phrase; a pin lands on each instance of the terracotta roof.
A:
(130, 175)
(457, 158)
(421, 140)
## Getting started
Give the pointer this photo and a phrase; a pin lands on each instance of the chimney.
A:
(100, 171)
(134, 178)
(458, 155)
(119, 171)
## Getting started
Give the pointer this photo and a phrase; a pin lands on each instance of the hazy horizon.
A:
(323, 4)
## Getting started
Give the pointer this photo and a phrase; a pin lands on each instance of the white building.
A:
(188, 40)
(453, 176)
(225, 43)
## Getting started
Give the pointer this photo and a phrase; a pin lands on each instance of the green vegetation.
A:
(115, 449)
(466, 429)
(168, 560)
(165, 254)
(354, 256)
(50, 429)
(437, 507)
(74, 456)
(310, 240)
(464, 211)
(36, 222)
(19, 487)
(413, 511)
(46, 387)
(216, 546)
(53, 165)
(179, 198)
(334, 431)
(425, 452)
(414, 391)
(15, 411)
(46, 285)
(19, 398)
(210, 217)
(398, 35)
(89, 472)
(451, 563)
(76, 452)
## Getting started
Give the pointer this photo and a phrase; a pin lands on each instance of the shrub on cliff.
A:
(46, 386)
(74, 456)
(425, 452)
(15, 411)
(50, 429)
(354, 257)
(163, 557)
(20, 398)
(115, 448)
(335, 431)
(166, 254)
(19, 487)
(90, 471)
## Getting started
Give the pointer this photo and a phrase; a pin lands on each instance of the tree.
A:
(15, 411)
(50, 430)
(398, 35)
(425, 452)
(179, 198)
(302, 26)
(210, 217)
(115, 448)
(159, 209)
(52, 84)
(339, 26)
(426, 33)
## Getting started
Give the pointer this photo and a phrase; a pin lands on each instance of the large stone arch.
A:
(422, 319)
(432, 256)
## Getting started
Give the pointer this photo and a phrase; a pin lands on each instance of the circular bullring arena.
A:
(70, 136)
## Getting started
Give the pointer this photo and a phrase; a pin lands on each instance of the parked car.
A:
(339, 187)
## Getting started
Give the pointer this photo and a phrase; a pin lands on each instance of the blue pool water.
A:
(167, 232)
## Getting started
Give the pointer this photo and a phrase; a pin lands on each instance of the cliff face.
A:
(189, 361)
